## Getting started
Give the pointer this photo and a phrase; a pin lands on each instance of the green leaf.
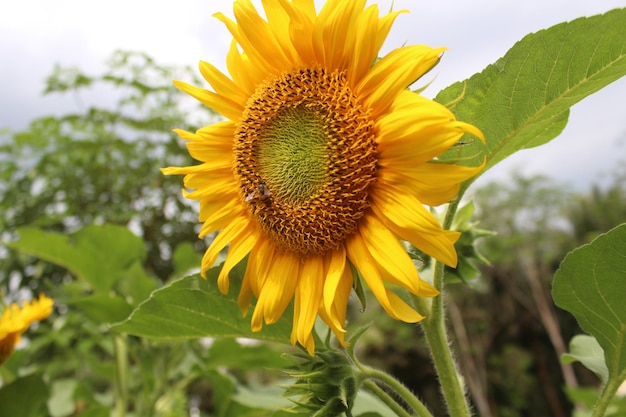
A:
(591, 284)
(231, 353)
(587, 350)
(186, 259)
(193, 307)
(61, 402)
(523, 99)
(102, 308)
(262, 396)
(222, 387)
(136, 285)
(24, 397)
(96, 254)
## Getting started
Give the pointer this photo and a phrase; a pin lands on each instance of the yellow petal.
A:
(394, 73)
(384, 26)
(336, 261)
(245, 295)
(278, 21)
(206, 145)
(217, 132)
(226, 235)
(259, 261)
(239, 248)
(363, 261)
(241, 70)
(301, 29)
(416, 129)
(210, 188)
(364, 41)
(277, 289)
(222, 85)
(186, 170)
(308, 297)
(334, 31)
(432, 183)
(217, 215)
(389, 254)
(335, 316)
(221, 104)
(258, 40)
(407, 218)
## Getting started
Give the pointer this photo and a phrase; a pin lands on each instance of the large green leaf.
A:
(102, 308)
(523, 99)
(25, 397)
(97, 254)
(193, 307)
(591, 284)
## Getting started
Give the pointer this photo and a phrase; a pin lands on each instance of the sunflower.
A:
(323, 164)
(16, 320)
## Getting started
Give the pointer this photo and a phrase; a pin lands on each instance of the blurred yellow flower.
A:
(324, 163)
(16, 320)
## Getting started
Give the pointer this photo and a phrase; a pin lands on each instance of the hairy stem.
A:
(402, 391)
(436, 334)
(608, 391)
(386, 398)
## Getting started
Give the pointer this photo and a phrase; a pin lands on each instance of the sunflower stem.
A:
(436, 334)
(121, 360)
(400, 389)
(608, 392)
(386, 398)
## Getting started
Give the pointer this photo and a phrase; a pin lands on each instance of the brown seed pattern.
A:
(306, 212)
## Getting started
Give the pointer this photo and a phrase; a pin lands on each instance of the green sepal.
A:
(468, 254)
(325, 383)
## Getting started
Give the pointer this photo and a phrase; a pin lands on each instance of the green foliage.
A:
(150, 377)
(591, 284)
(598, 211)
(193, 307)
(25, 397)
(466, 247)
(523, 100)
(101, 163)
(96, 254)
(106, 260)
(585, 348)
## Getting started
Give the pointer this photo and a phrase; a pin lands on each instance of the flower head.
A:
(16, 320)
(323, 163)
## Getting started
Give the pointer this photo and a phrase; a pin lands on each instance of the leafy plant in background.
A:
(153, 363)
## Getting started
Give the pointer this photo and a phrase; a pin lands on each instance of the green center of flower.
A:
(305, 159)
(293, 153)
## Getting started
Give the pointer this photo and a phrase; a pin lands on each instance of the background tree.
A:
(101, 163)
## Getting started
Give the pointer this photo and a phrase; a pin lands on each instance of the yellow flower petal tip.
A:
(323, 161)
(16, 320)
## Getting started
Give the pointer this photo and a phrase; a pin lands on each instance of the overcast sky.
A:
(36, 34)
